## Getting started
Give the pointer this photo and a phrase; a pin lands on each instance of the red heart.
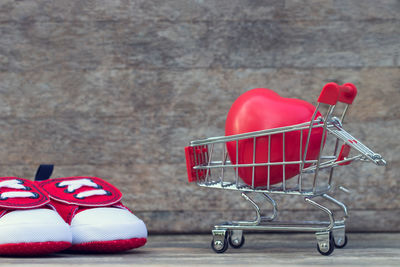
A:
(261, 109)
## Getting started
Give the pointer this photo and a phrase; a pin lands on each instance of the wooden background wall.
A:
(117, 88)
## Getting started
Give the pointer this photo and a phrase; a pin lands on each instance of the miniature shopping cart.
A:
(209, 165)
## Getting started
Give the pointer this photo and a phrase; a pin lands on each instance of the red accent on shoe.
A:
(111, 246)
(70, 196)
(39, 196)
(22, 194)
(66, 211)
(60, 193)
(33, 249)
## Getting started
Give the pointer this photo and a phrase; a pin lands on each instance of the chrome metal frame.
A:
(328, 233)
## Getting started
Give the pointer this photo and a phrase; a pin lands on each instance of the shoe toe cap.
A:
(34, 225)
(104, 224)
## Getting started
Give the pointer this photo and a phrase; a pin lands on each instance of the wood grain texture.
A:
(259, 250)
(83, 46)
(193, 10)
(183, 94)
(116, 89)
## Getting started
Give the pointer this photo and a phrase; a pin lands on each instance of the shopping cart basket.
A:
(209, 165)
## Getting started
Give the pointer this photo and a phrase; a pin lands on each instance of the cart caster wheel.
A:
(219, 246)
(236, 242)
(326, 251)
(342, 245)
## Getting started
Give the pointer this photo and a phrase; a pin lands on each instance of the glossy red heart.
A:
(261, 109)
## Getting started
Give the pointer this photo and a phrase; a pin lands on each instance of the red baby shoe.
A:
(99, 221)
(29, 225)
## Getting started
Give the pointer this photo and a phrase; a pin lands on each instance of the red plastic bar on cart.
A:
(196, 156)
(347, 93)
(329, 94)
(344, 153)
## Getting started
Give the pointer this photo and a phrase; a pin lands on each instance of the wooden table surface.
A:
(380, 249)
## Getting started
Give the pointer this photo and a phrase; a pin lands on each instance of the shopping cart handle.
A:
(329, 94)
(347, 93)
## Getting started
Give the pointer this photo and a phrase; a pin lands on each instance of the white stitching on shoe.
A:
(96, 192)
(16, 184)
(76, 184)
(14, 194)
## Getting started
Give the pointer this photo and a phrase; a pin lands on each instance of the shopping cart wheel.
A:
(219, 246)
(325, 243)
(342, 245)
(236, 238)
(220, 240)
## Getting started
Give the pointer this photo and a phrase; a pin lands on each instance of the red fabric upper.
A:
(58, 193)
(39, 199)
(67, 204)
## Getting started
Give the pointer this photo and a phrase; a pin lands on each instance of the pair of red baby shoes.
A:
(75, 213)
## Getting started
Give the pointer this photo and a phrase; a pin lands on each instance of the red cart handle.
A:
(348, 92)
(329, 94)
(332, 93)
